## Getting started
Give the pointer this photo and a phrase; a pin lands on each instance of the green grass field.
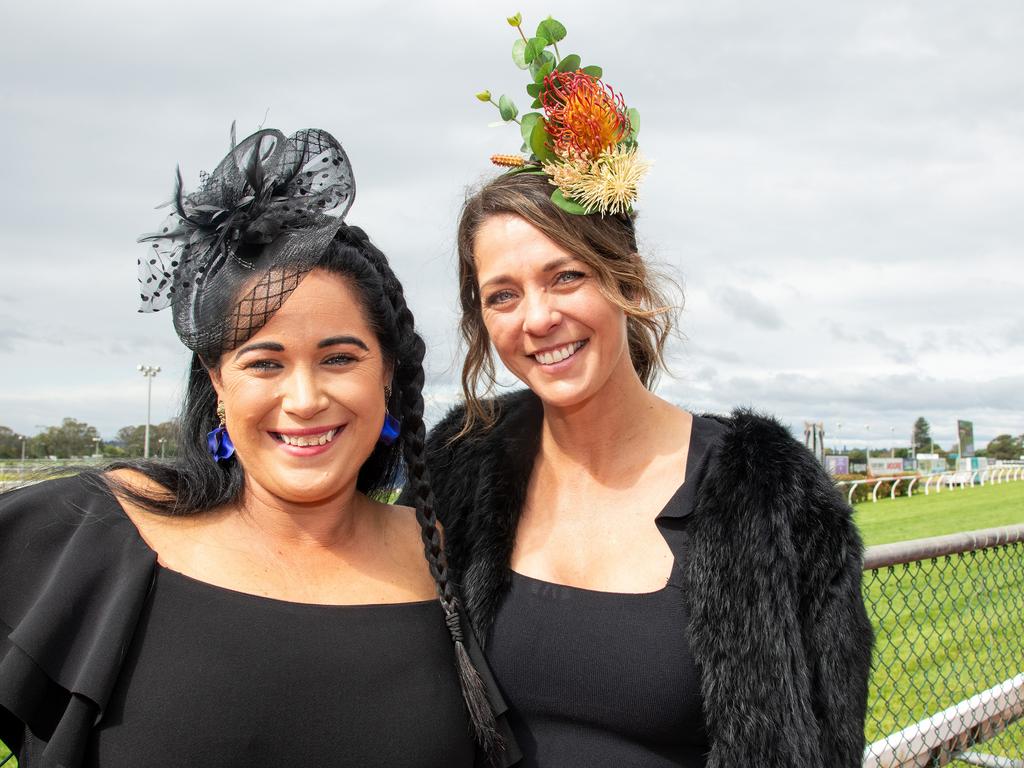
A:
(918, 517)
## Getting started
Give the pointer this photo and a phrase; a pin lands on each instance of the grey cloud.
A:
(743, 305)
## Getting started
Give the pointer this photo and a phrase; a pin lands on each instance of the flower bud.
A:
(515, 21)
(484, 96)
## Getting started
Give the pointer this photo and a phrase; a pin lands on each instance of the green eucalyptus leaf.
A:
(539, 142)
(526, 124)
(594, 71)
(535, 89)
(542, 66)
(533, 49)
(634, 122)
(551, 30)
(519, 53)
(537, 104)
(507, 108)
(567, 204)
(569, 64)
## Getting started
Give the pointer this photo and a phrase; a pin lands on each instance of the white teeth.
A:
(305, 440)
(558, 355)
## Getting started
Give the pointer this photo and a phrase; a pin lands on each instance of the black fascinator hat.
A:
(232, 252)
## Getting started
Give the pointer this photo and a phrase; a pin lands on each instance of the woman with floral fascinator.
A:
(256, 602)
(653, 587)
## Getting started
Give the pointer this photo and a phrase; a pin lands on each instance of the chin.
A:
(560, 394)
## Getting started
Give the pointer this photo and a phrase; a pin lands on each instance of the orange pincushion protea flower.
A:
(583, 116)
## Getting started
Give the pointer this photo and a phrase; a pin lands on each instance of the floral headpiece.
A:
(585, 138)
(232, 252)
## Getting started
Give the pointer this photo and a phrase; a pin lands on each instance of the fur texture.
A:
(773, 571)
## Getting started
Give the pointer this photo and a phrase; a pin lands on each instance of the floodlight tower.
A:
(150, 372)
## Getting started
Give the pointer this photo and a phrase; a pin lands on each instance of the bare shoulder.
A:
(128, 485)
(402, 527)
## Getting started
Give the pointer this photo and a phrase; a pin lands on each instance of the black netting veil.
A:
(232, 252)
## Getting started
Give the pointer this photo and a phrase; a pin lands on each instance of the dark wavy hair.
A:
(194, 483)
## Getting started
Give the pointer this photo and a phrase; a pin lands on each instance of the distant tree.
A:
(133, 439)
(1005, 447)
(10, 444)
(71, 438)
(857, 456)
(922, 435)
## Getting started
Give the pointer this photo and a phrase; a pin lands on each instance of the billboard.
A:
(837, 465)
(884, 467)
(965, 436)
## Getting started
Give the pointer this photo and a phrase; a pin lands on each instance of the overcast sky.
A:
(839, 187)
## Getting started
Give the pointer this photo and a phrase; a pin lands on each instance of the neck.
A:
(328, 524)
(594, 436)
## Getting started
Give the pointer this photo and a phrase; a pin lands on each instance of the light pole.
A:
(162, 441)
(150, 372)
(867, 448)
(892, 442)
(96, 450)
(839, 426)
(21, 469)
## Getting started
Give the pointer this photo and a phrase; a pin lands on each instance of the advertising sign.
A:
(837, 465)
(965, 434)
(930, 465)
(884, 467)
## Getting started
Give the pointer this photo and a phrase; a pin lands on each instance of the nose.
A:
(540, 314)
(303, 396)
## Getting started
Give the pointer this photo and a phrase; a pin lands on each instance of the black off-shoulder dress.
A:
(109, 659)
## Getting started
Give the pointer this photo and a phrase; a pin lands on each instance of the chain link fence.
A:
(947, 685)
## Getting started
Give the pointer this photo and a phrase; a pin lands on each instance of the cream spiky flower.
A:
(607, 184)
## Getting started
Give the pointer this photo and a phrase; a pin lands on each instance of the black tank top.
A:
(224, 679)
(605, 679)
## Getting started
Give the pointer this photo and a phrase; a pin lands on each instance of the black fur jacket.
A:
(772, 571)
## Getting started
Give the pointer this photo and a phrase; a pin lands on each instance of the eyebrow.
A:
(547, 267)
(334, 340)
(273, 346)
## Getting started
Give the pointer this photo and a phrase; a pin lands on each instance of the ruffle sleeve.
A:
(74, 577)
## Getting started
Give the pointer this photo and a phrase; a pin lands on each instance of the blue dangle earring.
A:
(219, 441)
(392, 427)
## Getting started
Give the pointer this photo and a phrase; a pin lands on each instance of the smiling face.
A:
(546, 316)
(304, 397)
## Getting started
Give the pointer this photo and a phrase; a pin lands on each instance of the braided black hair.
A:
(196, 484)
(409, 378)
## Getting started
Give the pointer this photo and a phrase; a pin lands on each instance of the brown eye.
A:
(340, 359)
(262, 365)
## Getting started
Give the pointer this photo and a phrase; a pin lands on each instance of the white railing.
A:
(936, 481)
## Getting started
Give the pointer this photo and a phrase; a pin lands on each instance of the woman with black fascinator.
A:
(256, 602)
